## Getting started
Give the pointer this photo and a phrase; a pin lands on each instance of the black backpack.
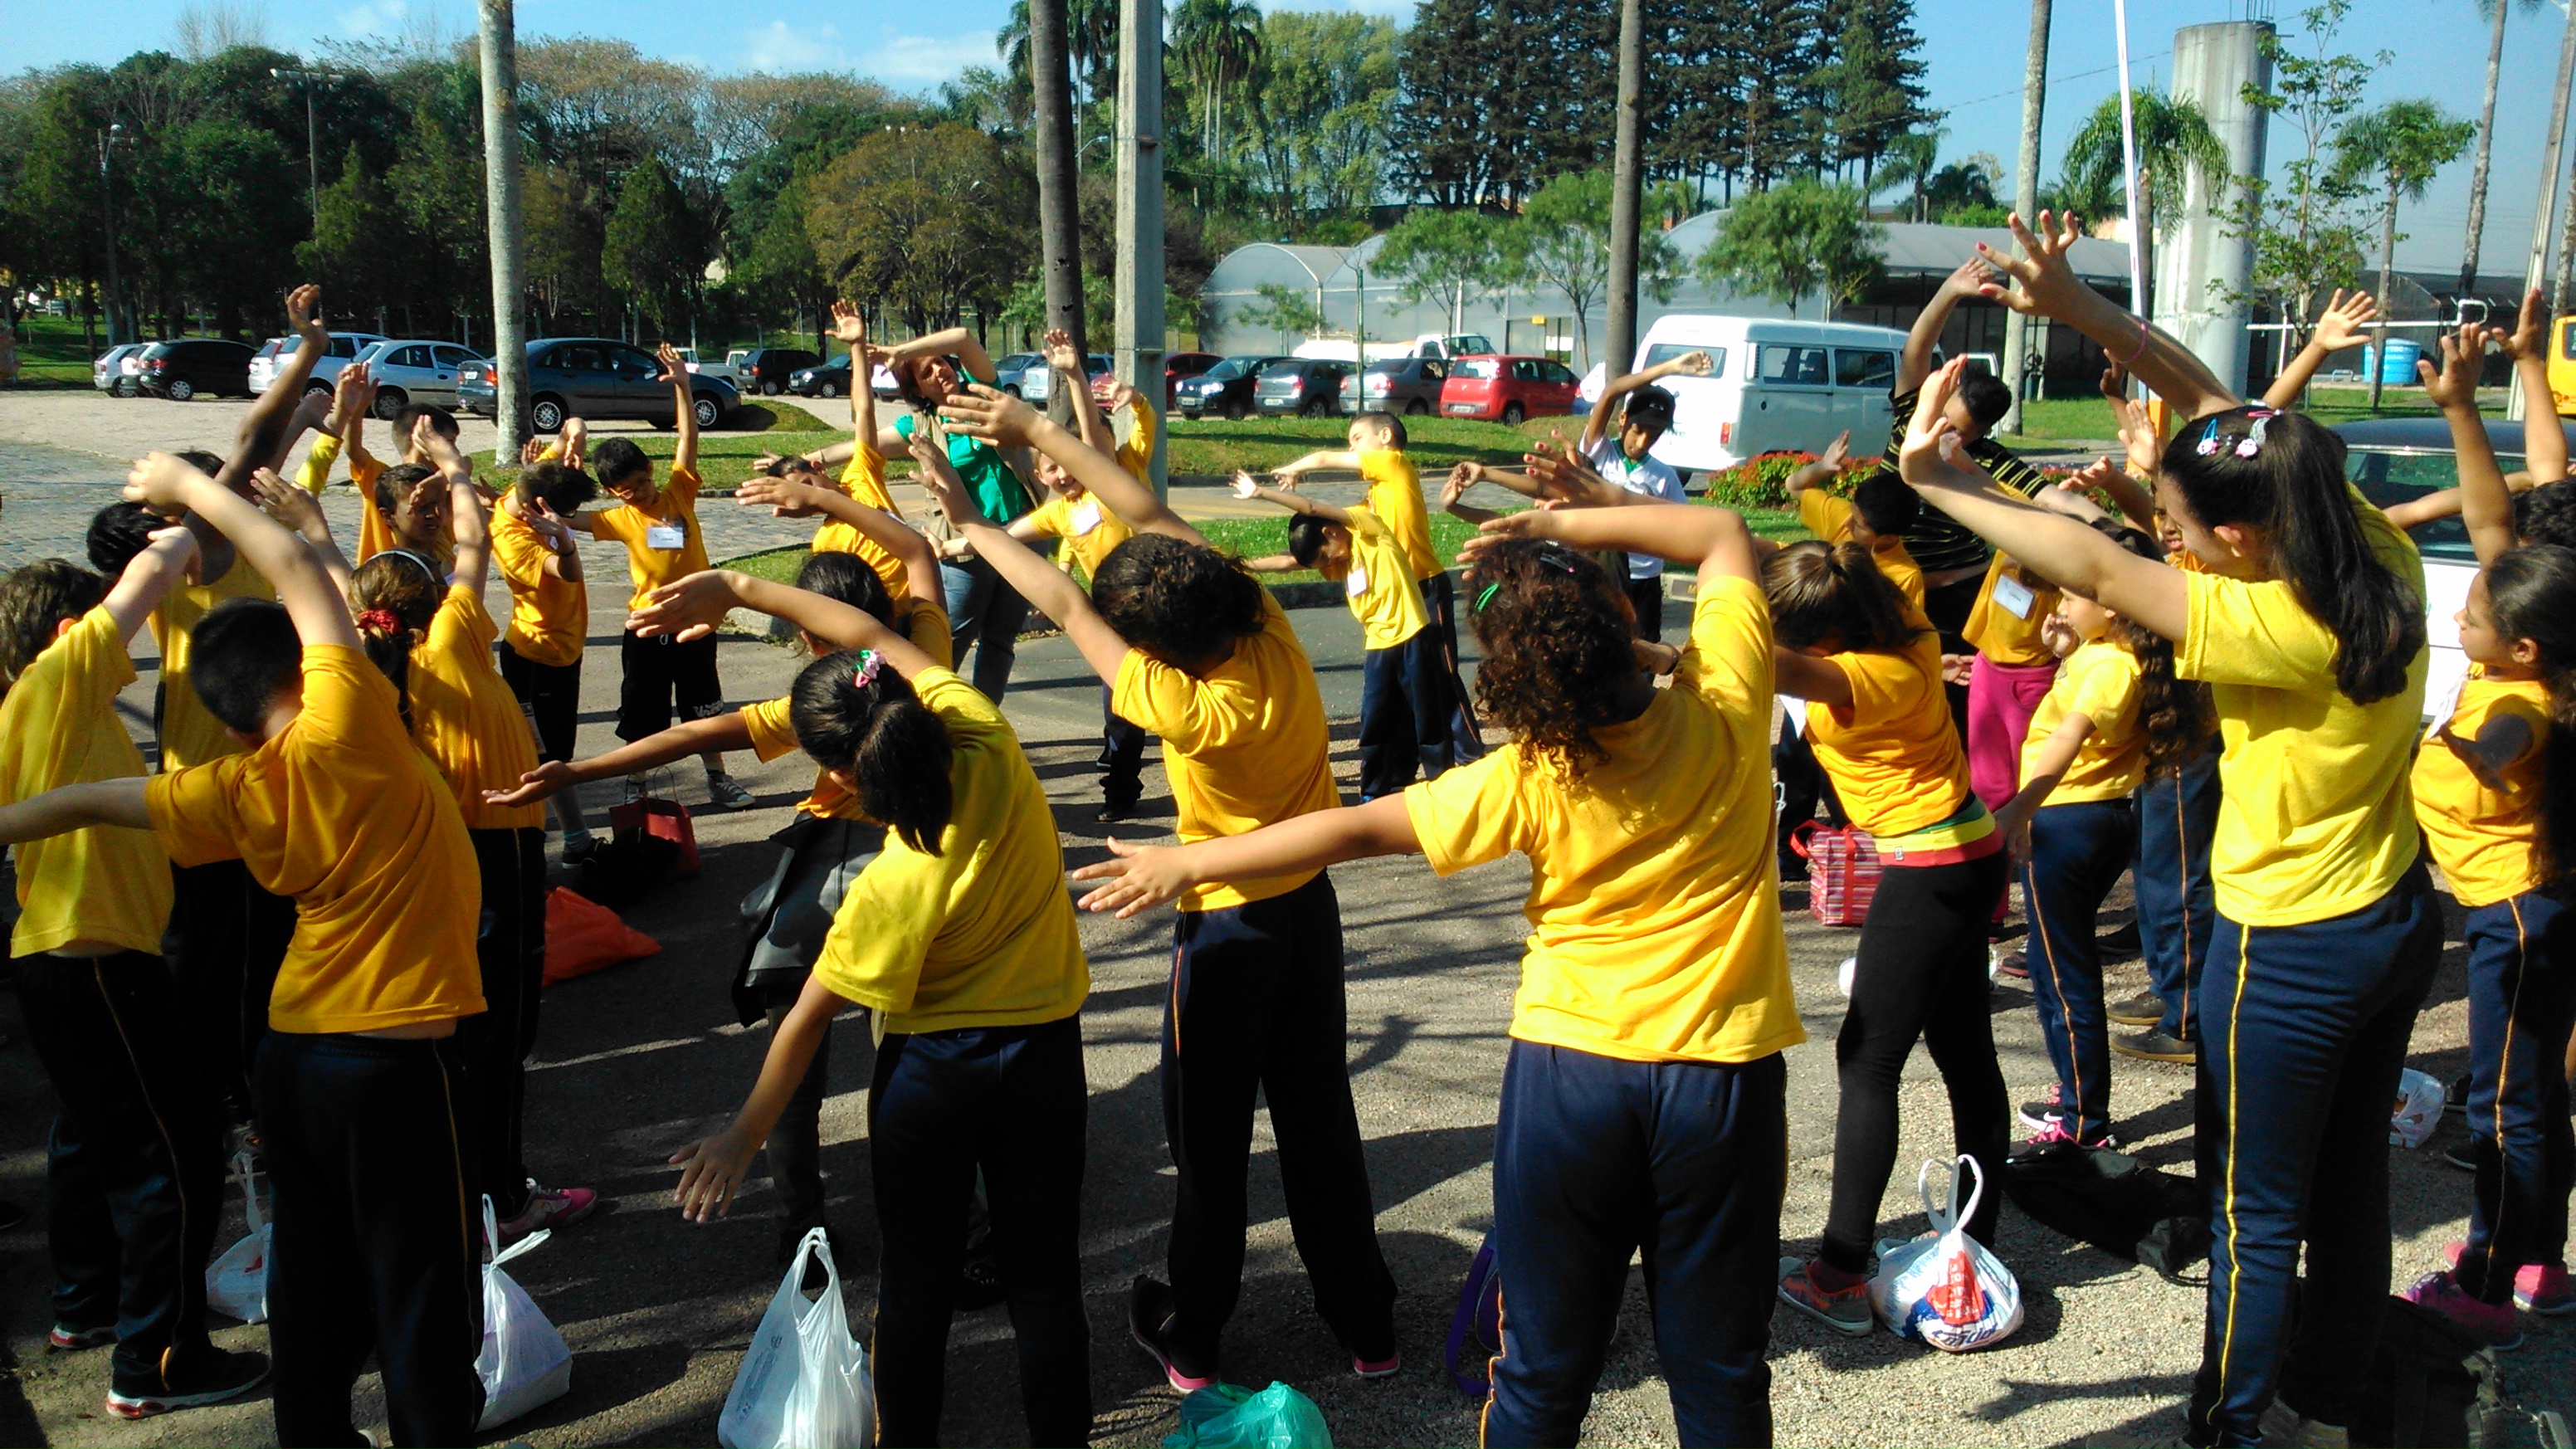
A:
(2114, 1202)
(2432, 1385)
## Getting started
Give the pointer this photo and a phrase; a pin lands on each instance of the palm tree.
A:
(1219, 43)
(2175, 145)
(2494, 10)
(2401, 146)
(1908, 163)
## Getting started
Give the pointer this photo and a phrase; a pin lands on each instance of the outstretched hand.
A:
(674, 371)
(1931, 447)
(1059, 351)
(304, 316)
(848, 325)
(990, 414)
(160, 482)
(1564, 477)
(690, 609)
(2464, 355)
(1838, 452)
(539, 784)
(784, 497)
(1135, 878)
(2529, 336)
(283, 501)
(2345, 321)
(1244, 485)
(2041, 281)
(711, 1172)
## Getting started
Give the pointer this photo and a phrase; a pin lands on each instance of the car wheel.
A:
(390, 401)
(310, 389)
(1236, 411)
(708, 411)
(1513, 413)
(122, 387)
(546, 414)
(1416, 408)
(180, 390)
(831, 389)
(1013, 389)
(770, 389)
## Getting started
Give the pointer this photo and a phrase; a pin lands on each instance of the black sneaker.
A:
(207, 1376)
(580, 849)
(1113, 812)
(2144, 1009)
(2120, 945)
(2455, 1097)
(2152, 1045)
(2037, 1115)
(66, 1339)
(979, 1282)
(1149, 1321)
(2462, 1154)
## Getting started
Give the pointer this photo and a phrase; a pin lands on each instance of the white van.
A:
(1773, 386)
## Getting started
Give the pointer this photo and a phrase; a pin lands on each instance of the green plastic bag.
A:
(1230, 1416)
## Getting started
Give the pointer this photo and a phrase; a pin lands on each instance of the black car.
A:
(597, 377)
(184, 367)
(1306, 386)
(767, 370)
(824, 379)
(1224, 389)
(1409, 385)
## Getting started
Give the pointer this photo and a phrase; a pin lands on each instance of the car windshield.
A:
(1230, 369)
(2391, 478)
(1478, 367)
(1470, 342)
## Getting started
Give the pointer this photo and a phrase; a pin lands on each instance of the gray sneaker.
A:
(1844, 1310)
(2144, 1009)
(2153, 1045)
(728, 793)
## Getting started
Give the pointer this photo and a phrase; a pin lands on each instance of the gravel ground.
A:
(637, 1060)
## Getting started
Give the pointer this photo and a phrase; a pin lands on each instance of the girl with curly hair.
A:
(1644, 1096)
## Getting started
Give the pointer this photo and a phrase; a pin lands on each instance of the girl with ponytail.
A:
(1868, 664)
(2308, 628)
(960, 937)
(2495, 790)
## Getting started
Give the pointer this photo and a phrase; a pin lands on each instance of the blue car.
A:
(597, 377)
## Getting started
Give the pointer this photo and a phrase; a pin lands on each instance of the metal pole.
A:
(1627, 190)
(501, 191)
(2034, 101)
(107, 219)
(2547, 217)
(312, 156)
(1139, 278)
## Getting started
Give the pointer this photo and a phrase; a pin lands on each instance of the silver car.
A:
(114, 371)
(410, 370)
(273, 355)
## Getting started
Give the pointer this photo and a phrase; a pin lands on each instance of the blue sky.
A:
(1974, 50)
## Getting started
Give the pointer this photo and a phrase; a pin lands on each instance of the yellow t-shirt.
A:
(1893, 753)
(1243, 748)
(653, 558)
(1395, 495)
(189, 735)
(2100, 682)
(1829, 517)
(2314, 817)
(2486, 841)
(863, 479)
(341, 813)
(375, 535)
(773, 731)
(58, 726)
(2002, 632)
(465, 716)
(549, 617)
(1653, 906)
(1379, 586)
(981, 934)
(1089, 528)
(1136, 455)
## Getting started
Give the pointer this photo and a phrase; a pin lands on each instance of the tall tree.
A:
(1453, 256)
(2175, 144)
(1322, 93)
(2400, 147)
(924, 221)
(2494, 11)
(1909, 163)
(1218, 45)
(1059, 161)
(2300, 220)
(1871, 82)
(1795, 240)
(1563, 242)
(652, 250)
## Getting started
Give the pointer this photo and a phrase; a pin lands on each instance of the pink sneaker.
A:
(2490, 1321)
(2537, 1287)
(1383, 1369)
(548, 1207)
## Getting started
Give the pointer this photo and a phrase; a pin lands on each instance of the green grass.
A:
(51, 353)
(1214, 445)
(2070, 419)
(778, 565)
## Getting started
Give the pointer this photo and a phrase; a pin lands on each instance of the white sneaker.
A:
(2285, 1428)
(728, 793)
(631, 791)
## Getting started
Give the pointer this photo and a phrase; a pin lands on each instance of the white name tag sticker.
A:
(666, 535)
(2445, 702)
(1356, 583)
(1084, 519)
(2014, 596)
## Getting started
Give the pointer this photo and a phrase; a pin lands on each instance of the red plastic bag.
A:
(583, 936)
(662, 819)
(1842, 871)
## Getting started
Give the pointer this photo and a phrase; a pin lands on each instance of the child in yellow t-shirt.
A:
(1091, 531)
(433, 638)
(358, 1076)
(659, 526)
(1877, 514)
(541, 647)
(401, 506)
(1644, 1099)
(134, 1126)
(960, 937)
(1400, 727)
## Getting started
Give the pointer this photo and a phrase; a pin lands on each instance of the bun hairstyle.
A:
(2283, 473)
(1558, 643)
(855, 715)
(1183, 603)
(2531, 592)
(1834, 595)
(2176, 714)
(34, 601)
(393, 596)
(558, 485)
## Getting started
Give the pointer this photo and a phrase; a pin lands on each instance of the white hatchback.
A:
(410, 370)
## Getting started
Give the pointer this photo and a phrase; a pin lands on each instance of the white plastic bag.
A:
(2418, 1110)
(1944, 1288)
(237, 1280)
(804, 1384)
(524, 1362)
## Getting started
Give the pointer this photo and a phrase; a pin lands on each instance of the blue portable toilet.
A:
(2397, 369)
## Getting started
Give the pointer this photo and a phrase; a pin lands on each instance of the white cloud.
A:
(780, 46)
(926, 59)
(903, 60)
(1396, 10)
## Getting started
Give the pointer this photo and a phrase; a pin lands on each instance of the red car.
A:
(1177, 367)
(1508, 388)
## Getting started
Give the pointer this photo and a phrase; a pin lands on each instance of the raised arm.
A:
(261, 439)
(2058, 548)
(2544, 437)
(292, 506)
(999, 418)
(147, 577)
(166, 485)
(793, 499)
(1246, 489)
(466, 525)
(1826, 468)
(76, 807)
(2486, 504)
(1343, 460)
(954, 342)
(2043, 283)
(1049, 589)
(1139, 877)
(1924, 339)
(726, 731)
(684, 451)
(1597, 426)
(1070, 378)
(1714, 539)
(695, 607)
(2345, 322)
(1453, 492)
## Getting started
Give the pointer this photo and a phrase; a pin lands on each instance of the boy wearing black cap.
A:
(1621, 455)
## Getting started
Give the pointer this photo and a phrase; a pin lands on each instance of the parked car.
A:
(1038, 383)
(598, 377)
(823, 379)
(414, 371)
(1305, 386)
(2394, 460)
(1011, 374)
(113, 372)
(1178, 367)
(1408, 385)
(1225, 388)
(184, 367)
(1772, 386)
(765, 370)
(1507, 389)
(344, 348)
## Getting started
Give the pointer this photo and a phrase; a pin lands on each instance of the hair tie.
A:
(870, 661)
(426, 566)
(380, 621)
(1487, 596)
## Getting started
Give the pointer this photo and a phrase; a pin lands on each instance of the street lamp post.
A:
(108, 140)
(311, 80)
